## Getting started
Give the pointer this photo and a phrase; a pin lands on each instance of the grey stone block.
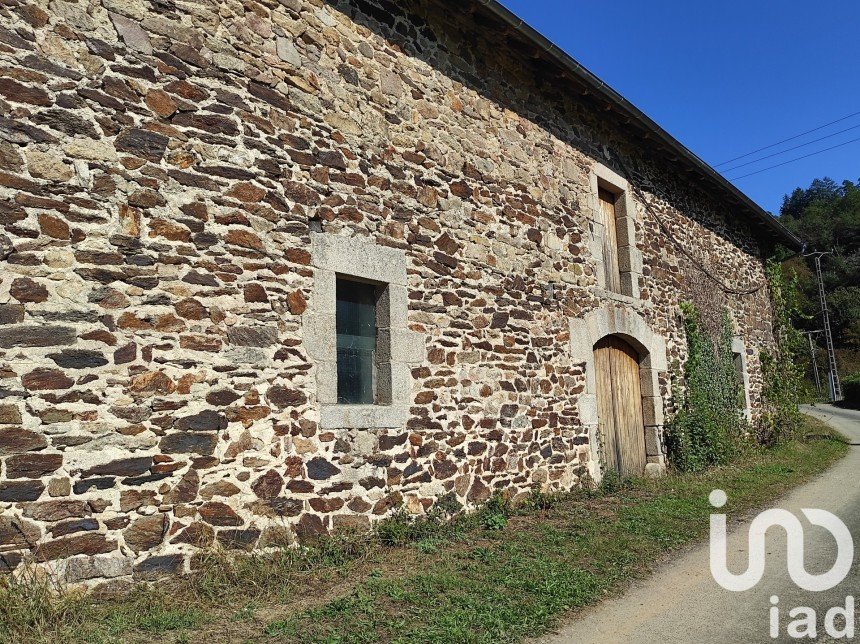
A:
(82, 568)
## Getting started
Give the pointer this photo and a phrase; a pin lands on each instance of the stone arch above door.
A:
(625, 323)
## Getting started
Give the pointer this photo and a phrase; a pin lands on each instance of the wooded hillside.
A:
(826, 215)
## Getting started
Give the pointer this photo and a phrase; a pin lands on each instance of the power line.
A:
(791, 138)
(805, 156)
(796, 147)
(684, 248)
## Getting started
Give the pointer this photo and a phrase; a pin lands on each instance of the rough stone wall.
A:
(159, 163)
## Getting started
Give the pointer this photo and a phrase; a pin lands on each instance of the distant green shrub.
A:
(851, 390)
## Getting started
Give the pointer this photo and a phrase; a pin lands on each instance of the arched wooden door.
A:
(619, 406)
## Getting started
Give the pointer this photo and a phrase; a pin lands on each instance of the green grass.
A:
(498, 575)
(515, 583)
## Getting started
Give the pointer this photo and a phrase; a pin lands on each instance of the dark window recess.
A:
(356, 342)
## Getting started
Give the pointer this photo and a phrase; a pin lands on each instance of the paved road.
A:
(682, 603)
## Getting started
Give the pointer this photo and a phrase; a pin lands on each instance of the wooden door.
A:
(619, 406)
(611, 269)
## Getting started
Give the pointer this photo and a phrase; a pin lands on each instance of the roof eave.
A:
(617, 101)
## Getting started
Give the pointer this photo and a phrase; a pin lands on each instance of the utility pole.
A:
(832, 374)
(814, 358)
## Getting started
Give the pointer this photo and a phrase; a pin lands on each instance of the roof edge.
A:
(565, 60)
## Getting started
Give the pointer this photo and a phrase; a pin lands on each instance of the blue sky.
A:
(726, 78)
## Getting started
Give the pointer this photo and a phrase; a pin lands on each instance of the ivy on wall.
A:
(708, 426)
(782, 370)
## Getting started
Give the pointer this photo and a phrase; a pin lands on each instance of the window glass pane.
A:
(356, 342)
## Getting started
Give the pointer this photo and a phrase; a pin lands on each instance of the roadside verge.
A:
(499, 575)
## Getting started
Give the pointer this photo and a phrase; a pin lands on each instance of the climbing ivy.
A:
(782, 373)
(708, 425)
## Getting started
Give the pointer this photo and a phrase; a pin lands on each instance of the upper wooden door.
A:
(611, 267)
(619, 406)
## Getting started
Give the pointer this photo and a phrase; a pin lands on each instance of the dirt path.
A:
(681, 602)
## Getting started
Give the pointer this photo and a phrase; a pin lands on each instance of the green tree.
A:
(826, 216)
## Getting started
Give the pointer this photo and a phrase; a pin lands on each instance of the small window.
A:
(356, 342)
(609, 216)
(612, 215)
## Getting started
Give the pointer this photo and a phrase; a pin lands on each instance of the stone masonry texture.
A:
(160, 162)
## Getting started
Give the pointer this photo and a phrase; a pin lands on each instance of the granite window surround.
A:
(739, 348)
(398, 348)
(629, 255)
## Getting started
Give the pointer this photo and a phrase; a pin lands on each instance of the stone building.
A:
(284, 266)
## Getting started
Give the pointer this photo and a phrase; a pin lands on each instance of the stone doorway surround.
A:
(625, 323)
